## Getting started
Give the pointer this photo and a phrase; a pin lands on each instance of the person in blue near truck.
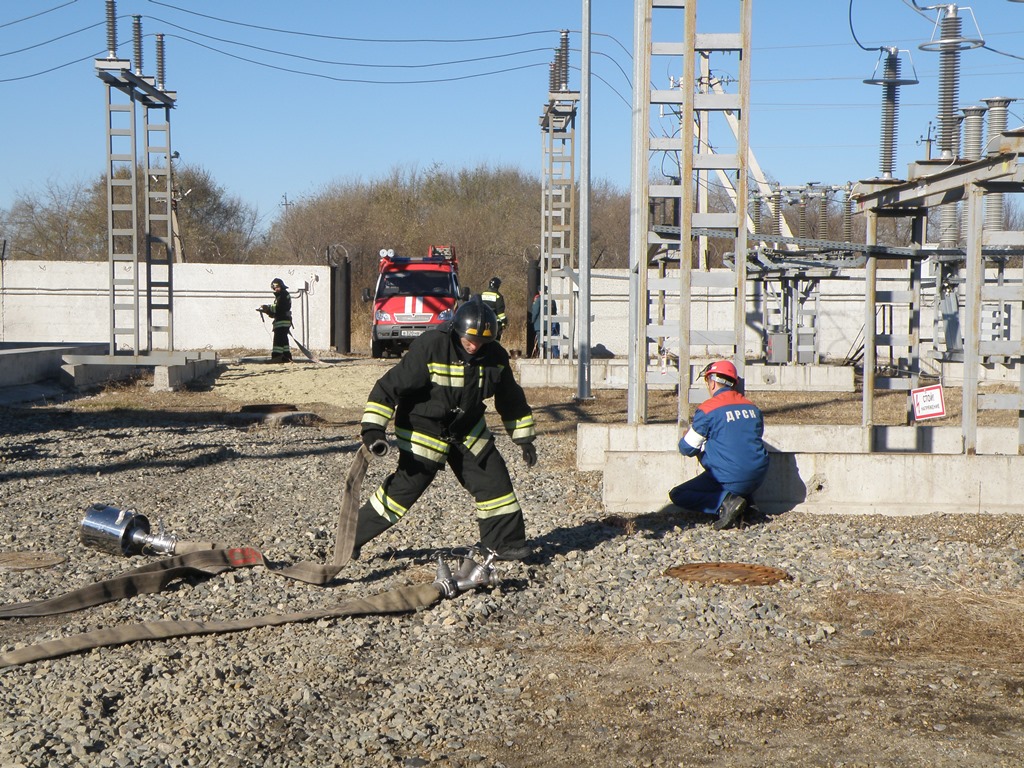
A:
(726, 437)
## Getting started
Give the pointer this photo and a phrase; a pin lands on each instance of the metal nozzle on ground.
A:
(123, 532)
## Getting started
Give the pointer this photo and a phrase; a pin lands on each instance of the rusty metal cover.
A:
(728, 573)
(24, 561)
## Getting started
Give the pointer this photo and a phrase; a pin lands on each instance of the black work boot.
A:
(730, 512)
(513, 553)
(369, 526)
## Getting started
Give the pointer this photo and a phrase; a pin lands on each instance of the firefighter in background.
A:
(726, 437)
(436, 396)
(492, 298)
(281, 312)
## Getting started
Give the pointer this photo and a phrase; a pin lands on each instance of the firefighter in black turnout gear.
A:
(281, 312)
(436, 396)
(492, 298)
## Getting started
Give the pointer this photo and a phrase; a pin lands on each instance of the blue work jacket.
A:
(726, 436)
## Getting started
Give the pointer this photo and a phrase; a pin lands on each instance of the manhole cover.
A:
(728, 573)
(24, 561)
(268, 408)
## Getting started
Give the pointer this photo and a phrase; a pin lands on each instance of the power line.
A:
(349, 63)
(36, 15)
(90, 57)
(53, 39)
(334, 78)
(279, 30)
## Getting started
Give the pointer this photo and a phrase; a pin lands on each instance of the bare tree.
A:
(214, 225)
(64, 222)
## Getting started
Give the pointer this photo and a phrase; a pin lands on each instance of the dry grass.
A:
(958, 625)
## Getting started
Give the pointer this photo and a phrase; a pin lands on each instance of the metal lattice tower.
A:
(673, 339)
(159, 229)
(558, 210)
(138, 286)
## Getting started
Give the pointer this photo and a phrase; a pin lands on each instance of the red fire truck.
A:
(413, 295)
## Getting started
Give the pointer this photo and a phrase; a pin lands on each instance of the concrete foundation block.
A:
(883, 484)
(28, 363)
(83, 375)
(594, 441)
(170, 378)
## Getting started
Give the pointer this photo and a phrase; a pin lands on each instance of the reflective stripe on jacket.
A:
(436, 397)
(281, 310)
(495, 301)
(726, 435)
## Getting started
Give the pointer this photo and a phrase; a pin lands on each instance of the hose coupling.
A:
(470, 574)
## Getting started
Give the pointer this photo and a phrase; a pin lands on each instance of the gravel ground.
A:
(896, 641)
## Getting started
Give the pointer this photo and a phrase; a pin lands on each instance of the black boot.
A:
(730, 512)
(506, 535)
(368, 526)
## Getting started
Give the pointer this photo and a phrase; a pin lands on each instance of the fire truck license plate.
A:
(411, 333)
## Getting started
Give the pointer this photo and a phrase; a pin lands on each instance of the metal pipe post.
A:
(583, 305)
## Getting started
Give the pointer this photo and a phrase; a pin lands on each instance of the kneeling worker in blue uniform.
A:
(726, 437)
(436, 396)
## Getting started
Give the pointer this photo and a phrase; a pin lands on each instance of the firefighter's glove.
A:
(529, 454)
(375, 441)
(265, 309)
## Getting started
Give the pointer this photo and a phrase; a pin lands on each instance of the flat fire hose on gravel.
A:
(309, 355)
(202, 558)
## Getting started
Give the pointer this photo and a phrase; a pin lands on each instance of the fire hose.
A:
(205, 559)
(302, 347)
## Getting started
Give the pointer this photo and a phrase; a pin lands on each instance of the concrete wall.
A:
(840, 321)
(614, 374)
(214, 304)
(48, 301)
(821, 468)
(848, 483)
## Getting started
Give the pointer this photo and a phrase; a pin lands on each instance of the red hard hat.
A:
(720, 368)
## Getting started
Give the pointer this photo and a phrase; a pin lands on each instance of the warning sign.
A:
(928, 402)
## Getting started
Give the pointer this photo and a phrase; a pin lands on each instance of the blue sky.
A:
(260, 109)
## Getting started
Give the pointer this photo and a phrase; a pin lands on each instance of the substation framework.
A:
(141, 285)
(988, 337)
(147, 281)
(657, 27)
(892, 318)
(558, 212)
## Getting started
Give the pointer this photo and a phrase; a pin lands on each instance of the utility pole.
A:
(583, 306)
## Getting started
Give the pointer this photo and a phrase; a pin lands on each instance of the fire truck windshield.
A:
(416, 283)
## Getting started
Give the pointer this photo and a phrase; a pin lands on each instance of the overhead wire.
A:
(348, 63)
(52, 39)
(53, 69)
(37, 15)
(283, 31)
(334, 78)
(853, 33)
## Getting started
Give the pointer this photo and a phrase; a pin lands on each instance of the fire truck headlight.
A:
(382, 317)
(445, 315)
